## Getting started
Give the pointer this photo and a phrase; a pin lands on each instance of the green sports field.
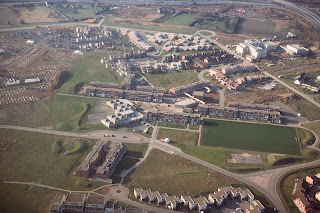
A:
(245, 136)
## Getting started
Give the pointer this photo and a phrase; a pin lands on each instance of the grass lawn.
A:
(172, 125)
(315, 126)
(137, 150)
(31, 158)
(206, 33)
(151, 174)
(303, 106)
(245, 136)
(183, 19)
(194, 127)
(286, 184)
(224, 24)
(79, 12)
(170, 80)
(88, 68)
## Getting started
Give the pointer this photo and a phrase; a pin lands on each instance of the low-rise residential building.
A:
(125, 113)
(259, 113)
(296, 49)
(201, 203)
(111, 155)
(189, 87)
(256, 48)
(155, 115)
(74, 202)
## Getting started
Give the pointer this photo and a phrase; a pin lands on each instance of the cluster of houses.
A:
(82, 203)
(136, 39)
(124, 64)
(153, 67)
(125, 113)
(307, 193)
(217, 198)
(102, 161)
(177, 91)
(111, 90)
(224, 78)
(256, 49)
(246, 111)
(199, 60)
(185, 118)
(180, 42)
(306, 83)
(92, 37)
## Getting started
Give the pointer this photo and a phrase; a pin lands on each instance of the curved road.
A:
(271, 176)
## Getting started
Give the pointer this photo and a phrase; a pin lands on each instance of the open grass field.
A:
(225, 24)
(79, 12)
(88, 68)
(172, 125)
(315, 126)
(183, 19)
(256, 27)
(7, 16)
(151, 174)
(286, 184)
(31, 158)
(245, 136)
(112, 21)
(65, 113)
(303, 106)
(170, 80)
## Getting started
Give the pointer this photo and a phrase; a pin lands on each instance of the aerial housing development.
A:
(160, 106)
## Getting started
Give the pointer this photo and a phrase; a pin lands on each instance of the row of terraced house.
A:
(82, 203)
(111, 90)
(243, 111)
(186, 118)
(217, 198)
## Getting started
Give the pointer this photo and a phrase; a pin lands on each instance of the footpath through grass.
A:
(246, 136)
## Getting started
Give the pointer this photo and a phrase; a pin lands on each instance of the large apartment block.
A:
(217, 198)
(101, 162)
(189, 87)
(193, 119)
(243, 111)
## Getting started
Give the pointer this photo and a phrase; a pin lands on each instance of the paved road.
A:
(98, 134)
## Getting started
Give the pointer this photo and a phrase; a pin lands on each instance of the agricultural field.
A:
(170, 80)
(151, 174)
(39, 158)
(245, 136)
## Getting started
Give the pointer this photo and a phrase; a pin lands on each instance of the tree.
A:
(9, 23)
(22, 21)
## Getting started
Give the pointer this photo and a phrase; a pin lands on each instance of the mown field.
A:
(183, 19)
(245, 136)
(172, 125)
(315, 126)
